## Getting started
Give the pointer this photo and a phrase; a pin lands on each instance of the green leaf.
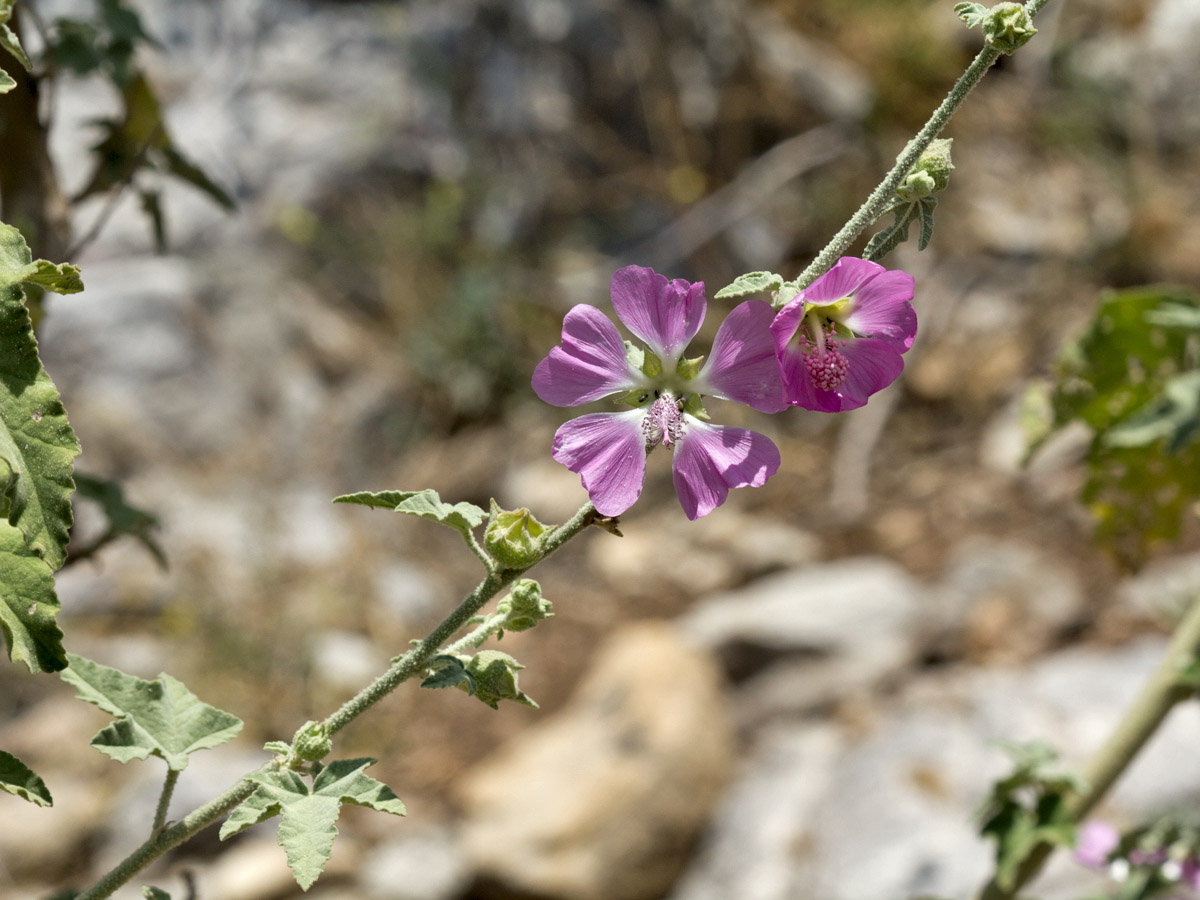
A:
(308, 816)
(751, 283)
(122, 517)
(153, 893)
(62, 278)
(6, 82)
(36, 440)
(161, 717)
(29, 607)
(426, 504)
(927, 206)
(449, 671)
(10, 42)
(17, 778)
(971, 13)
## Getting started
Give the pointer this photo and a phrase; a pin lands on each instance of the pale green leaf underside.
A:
(161, 717)
(10, 42)
(426, 504)
(751, 283)
(308, 817)
(28, 605)
(36, 440)
(6, 82)
(17, 778)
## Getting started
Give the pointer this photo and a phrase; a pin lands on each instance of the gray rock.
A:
(426, 865)
(603, 800)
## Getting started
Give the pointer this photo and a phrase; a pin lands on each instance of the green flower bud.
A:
(514, 538)
(311, 743)
(1007, 26)
(929, 174)
(525, 606)
(495, 676)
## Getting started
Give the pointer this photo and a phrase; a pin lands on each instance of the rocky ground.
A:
(799, 695)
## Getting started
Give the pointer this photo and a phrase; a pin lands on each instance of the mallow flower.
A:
(608, 449)
(841, 338)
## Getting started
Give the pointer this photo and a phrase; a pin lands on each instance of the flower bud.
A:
(929, 174)
(525, 606)
(311, 743)
(495, 677)
(514, 538)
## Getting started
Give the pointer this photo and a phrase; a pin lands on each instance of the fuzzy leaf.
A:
(28, 605)
(161, 717)
(971, 13)
(449, 671)
(751, 283)
(426, 504)
(927, 206)
(308, 816)
(17, 778)
(62, 278)
(36, 440)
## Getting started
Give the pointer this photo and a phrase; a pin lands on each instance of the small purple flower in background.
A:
(841, 338)
(1094, 842)
(608, 450)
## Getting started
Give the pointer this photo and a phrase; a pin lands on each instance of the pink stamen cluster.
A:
(827, 367)
(663, 423)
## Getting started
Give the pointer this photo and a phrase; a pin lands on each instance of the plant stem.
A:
(879, 199)
(164, 801)
(405, 667)
(164, 840)
(1141, 720)
(416, 659)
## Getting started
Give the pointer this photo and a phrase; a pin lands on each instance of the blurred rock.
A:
(663, 549)
(1002, 597)
(426, 864)
(345, 659)
(603, 800)
(1164, 588)
(864, 608)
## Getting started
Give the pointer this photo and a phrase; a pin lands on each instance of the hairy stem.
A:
(405, 667)
(164, 801)
(1159, 696)
(417, 659)
(879, 199)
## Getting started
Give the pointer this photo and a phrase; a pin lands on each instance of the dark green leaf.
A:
(449, 671)
(153, 893)
(927, 206)
(28, 605)
(17, 778)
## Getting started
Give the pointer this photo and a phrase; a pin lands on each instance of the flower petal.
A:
(847, 274)
(881, 309)
(589, 364)
(711, 459)
(608, 450)
(664, 314)
(742, 365)
(874, 364)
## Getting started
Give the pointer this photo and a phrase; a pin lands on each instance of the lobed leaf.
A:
(426, 504)
(36, 441)
(161, 717)
(751, 283)
(308, 816)
(17, 778)
(28, 605)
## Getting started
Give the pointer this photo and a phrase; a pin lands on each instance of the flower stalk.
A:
(879, 200)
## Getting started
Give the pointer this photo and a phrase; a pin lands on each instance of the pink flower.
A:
(841, 338)
(608, 450)
(1094, 842)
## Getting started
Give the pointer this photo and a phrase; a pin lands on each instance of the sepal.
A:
(514, 538)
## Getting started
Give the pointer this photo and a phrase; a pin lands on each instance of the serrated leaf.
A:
(123, 518)
(161, 717)
(891, 237)
(426, 504)
(36, 441)
(971, 13)
(308, 816)
(17, 778)
(62, 278)
(28, 605)
(751, 283)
